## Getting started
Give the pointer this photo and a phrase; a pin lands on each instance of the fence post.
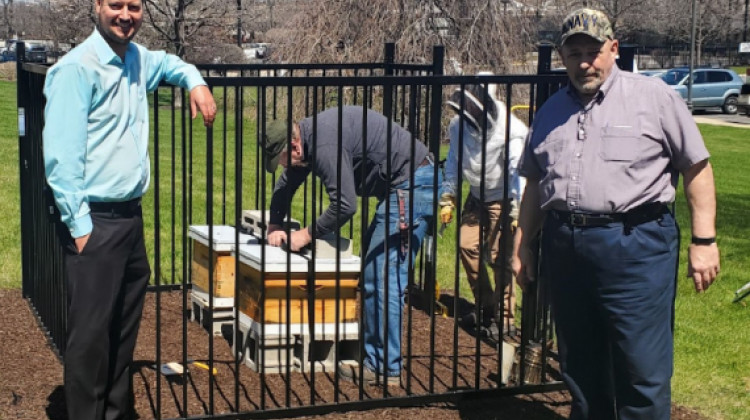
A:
(389, 58)
(625, 60)
(22, 98)
(543, 66)
(429, 297)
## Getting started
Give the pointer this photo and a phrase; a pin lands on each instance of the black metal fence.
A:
(204, 180)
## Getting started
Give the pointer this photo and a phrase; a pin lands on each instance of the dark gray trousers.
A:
(106, 288)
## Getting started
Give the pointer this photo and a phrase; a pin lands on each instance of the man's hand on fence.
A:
(202, 100)
(447, 203)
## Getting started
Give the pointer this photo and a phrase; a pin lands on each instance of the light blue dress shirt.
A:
(97, 130)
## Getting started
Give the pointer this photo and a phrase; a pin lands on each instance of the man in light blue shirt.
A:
(96, 161)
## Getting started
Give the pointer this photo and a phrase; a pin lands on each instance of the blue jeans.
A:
(613, 291)
(385, 281)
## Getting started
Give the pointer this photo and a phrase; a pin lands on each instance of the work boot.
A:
(468, 321)
(350, 372)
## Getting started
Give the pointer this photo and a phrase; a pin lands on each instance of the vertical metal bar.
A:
(287, 382)
(172, 183)
(211, 254)
(388, 111)
(186, 251)
(189, 131)
(311, 264)
(364, 248)
(438, 55)
(459, 210)
(23, 94)
(238, 151)
(544, 66)
(483, 222)
(224, 155)
(259, 168)
(337, 289)
(410, 260)
(262, 312)
(505, 282)
(157, 248)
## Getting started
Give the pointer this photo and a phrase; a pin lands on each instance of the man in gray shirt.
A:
(358, 152)
(602, 161)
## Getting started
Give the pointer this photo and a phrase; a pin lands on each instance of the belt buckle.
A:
(577, 219)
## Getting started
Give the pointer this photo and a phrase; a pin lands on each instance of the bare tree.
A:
(67, 21)
(180, 25)
(8, 17)
(476, 33)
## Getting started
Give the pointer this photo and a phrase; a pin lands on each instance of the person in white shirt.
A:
(477, 133)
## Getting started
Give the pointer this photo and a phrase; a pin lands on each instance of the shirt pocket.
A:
(619, 143)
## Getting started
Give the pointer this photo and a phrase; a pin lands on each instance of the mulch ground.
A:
(31, 375)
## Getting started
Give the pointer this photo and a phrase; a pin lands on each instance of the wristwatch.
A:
(702, 241)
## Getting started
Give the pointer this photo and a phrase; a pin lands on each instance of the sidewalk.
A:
(737, 120)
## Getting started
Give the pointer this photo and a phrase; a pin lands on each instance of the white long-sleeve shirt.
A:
(494, 160)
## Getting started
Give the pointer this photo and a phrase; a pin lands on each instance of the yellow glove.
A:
(447, 203)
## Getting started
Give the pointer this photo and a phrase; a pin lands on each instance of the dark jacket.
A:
(364, 169)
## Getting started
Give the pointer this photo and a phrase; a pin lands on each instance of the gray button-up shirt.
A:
(623, 149)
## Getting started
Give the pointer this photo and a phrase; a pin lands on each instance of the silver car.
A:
(712, 88)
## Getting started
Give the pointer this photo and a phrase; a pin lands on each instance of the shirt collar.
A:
(105, 53)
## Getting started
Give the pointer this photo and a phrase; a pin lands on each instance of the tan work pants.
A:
(488, 217)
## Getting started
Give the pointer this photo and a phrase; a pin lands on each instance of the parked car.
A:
(652, 73)
(743, 101)
(711, 87)
(36, 53)
(7, 56)
(257, 51)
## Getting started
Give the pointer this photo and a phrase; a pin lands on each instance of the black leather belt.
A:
(117, 208)
(641, 214)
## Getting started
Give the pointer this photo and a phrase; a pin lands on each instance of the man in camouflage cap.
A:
(602, 163)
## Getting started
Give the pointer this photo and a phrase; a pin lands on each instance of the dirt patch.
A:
(31, 375)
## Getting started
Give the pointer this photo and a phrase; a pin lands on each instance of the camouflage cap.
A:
(593, 23)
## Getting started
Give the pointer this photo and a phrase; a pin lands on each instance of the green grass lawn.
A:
(712, 337)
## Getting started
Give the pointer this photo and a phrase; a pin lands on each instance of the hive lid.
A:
(276, 260)
(223, 237)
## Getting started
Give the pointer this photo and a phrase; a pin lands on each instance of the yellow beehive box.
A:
(272, 281)
(223, 264)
